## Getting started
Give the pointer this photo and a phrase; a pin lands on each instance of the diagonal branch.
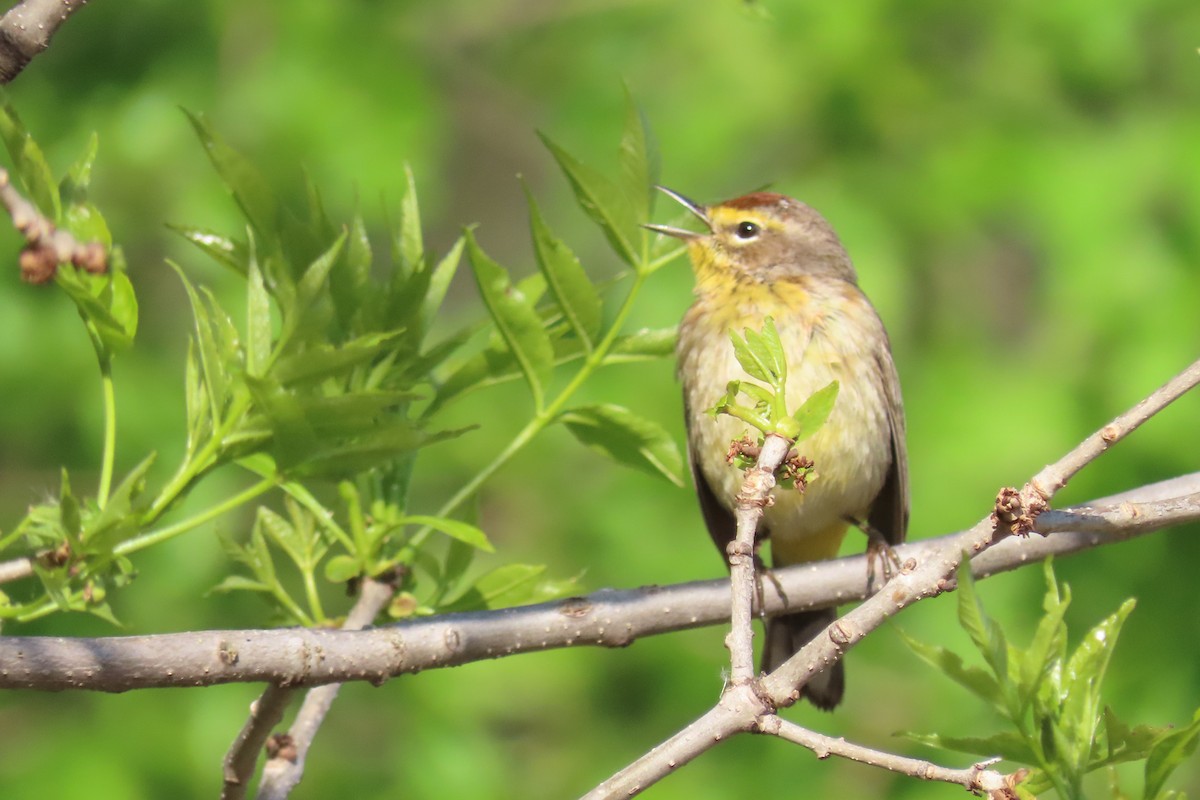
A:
(268, 710)
(285, 769)
(239, 763)
(26, 30)
(745, 706)
(1018, 510)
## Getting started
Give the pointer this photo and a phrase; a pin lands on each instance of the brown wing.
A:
(889, 512)
(722, 526)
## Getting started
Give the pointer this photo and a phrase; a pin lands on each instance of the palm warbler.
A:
(767, 255)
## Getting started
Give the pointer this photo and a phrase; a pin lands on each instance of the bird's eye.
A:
(747, 230)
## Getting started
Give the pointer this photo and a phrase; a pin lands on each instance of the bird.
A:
(768, 255)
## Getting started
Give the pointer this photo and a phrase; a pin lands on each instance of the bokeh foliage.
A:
(1018, 187)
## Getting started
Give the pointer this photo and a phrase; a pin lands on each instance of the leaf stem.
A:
(546, 415)
(285, 600)
(314, 597)
(322, 514)
(171, 531)
(195, 466)
(663, 260)
(109, 453)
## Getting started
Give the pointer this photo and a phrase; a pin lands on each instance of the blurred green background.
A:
(1019, 187)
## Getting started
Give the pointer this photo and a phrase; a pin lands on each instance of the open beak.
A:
(690, 205)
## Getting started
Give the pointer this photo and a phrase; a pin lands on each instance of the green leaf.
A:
(352, 413)
(384, 445)
(1083, 675)
(327, 360)
(975, 680)
(459, 556)
(420, 369)
(99, 299)
(1008, 745)
(308, 290)
(244, 181)
(572, 289)
(455, 529)
(1035, 784)
(340, 569)
(225, 334)
(85, 222)
(350, 280)
(296, 541)
(118, 517)
(318, 220)
(751, 364)
(1123, 743)
(984, 631)
(603, 201)
(259, 557)
(30, 164)
(239, 583)
(627, 438)
(104, 611)
(770, 349)
(211, 363)
(69, 513)
(813, 413)
(199, 414)
(220, 248)
(293, 438)
(73, 188)
(410, 245)
(644, 344)
(1048, 647)
(1167, 754)
(258, 318)
(639, 159)
(515, 319)
(505, 586)
(761, 395)
(122, 302)
(439, 282)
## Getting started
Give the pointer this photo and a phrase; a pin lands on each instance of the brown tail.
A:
(786, 635)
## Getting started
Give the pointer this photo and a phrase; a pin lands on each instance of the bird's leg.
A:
(877, 549)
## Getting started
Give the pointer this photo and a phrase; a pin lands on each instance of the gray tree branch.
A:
(607, 618)
(26, 30)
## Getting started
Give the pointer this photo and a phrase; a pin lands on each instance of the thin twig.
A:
(16, 569)
(607, 618)
(268, 710)
(26, 30)
(1035, 496)
(265, 714)
(47, 246)
(282, 772)
(751, 500)
(976, 778)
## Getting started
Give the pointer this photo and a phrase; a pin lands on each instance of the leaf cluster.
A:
(762, 356)
(332, 378)
(1051, 697)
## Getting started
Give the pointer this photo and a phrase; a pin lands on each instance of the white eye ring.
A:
(748, 230)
